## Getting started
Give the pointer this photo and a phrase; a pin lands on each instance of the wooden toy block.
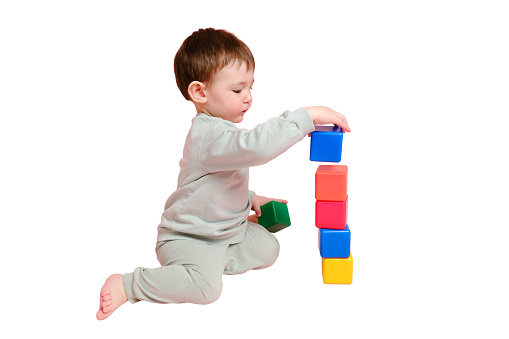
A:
(337, 270)
(275, 216)
(331, 214)
(331, 182)
(326, 144)
(334, 243)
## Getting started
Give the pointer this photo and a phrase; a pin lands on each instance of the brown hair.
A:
(205, 52)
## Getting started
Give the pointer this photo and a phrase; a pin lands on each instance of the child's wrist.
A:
(312, 113)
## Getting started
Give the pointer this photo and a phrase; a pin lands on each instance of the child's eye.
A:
(237, 91)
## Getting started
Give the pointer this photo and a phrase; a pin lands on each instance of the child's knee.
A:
(207, 289)
(271, 252)
(267, 248)
(267, 252)
(208, 295)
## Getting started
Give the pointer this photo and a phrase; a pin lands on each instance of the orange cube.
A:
(330, 182)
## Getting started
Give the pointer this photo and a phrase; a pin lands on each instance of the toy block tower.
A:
(331, 209)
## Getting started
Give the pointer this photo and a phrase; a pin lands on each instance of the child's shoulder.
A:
(203, 120)
(204, 127)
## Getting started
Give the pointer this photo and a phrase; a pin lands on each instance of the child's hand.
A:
(258, 201)
(324, 115)
(253, 218)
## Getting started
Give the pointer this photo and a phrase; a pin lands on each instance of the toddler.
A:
(206, 230)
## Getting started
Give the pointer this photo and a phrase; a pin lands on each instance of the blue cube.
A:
(326, 144)
(334, 243)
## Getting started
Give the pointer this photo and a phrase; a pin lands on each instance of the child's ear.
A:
(196, 91)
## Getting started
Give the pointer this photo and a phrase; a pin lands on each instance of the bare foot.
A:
(112, 296)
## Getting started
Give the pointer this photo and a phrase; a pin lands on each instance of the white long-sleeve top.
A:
(212, 200)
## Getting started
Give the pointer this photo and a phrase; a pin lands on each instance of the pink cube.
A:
(331, 214)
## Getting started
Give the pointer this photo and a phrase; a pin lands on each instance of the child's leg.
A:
(191, 272)
(259, 249)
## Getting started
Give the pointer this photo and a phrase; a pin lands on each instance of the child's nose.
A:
(248, 98)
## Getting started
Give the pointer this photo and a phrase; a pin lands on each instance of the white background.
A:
(92, 128)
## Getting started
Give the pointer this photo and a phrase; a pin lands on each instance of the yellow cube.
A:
(337, 270)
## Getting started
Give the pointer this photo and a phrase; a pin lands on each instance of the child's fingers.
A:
(341, 121)
(281, 200)
(252, 218)
(338, 119)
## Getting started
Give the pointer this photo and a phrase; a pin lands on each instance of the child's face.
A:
(229, 93)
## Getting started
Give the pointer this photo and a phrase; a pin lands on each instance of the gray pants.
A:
(192, 270)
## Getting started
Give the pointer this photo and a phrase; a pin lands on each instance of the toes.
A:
(105, 293)
(107, 309)
(100, 315)
(106, 303)
(107, 297)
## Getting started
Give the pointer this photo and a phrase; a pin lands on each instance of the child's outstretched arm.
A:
(324, 115)
(224, 147)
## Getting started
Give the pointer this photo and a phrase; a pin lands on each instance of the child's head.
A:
(210, 57)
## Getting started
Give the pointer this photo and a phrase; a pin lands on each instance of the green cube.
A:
(274, 216)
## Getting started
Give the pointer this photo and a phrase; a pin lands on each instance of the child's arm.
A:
(225, 148)
(324, 115)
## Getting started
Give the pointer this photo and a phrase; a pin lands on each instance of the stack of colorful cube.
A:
(331, 211)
